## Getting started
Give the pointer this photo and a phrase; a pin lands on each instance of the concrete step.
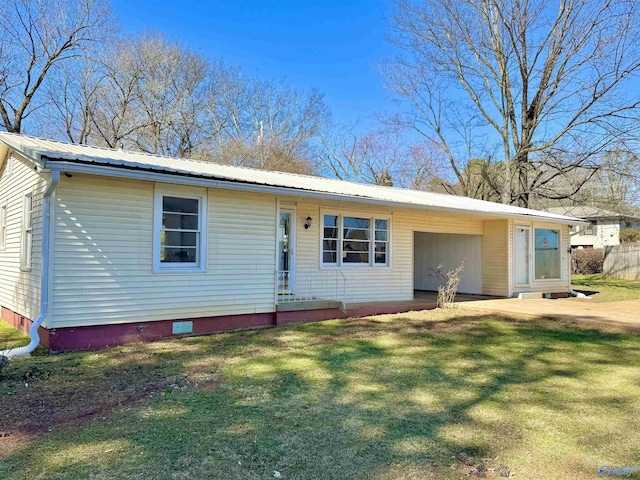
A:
(529, 295)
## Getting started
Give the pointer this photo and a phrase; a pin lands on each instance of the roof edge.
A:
(163, 176)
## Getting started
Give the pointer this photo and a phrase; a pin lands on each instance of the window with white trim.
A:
(27, 231)
(547, 253)
(3, 226)
(590, 229)
(178, 239)
(355, 240)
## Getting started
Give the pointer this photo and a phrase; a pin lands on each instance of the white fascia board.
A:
(150, 176)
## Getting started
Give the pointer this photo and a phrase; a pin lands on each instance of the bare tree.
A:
(150, 94)
(519, 83)
(378, 156)
(36, 37)
(264, 124)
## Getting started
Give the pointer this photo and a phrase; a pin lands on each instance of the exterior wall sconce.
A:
(308, 224)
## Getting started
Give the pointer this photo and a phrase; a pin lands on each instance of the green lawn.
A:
(389, 397)
(10, 337)
(606, 289)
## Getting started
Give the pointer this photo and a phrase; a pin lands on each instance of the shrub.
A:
(587, 261)
(629, 235)
(449, 283)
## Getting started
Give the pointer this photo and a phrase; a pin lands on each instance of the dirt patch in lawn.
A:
(58, 393)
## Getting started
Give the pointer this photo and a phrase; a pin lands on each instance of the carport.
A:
(448, 250)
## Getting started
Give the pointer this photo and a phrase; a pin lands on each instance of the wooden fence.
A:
(622, 262)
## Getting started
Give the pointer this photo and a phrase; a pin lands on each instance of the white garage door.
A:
(448, 249)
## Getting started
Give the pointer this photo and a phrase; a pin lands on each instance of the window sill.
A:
(355, 267)
(169, 271)
(26, 269)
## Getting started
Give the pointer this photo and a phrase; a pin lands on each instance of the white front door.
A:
(523, 255)
(286, 250)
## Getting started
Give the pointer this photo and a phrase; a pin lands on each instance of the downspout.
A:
(44, 274)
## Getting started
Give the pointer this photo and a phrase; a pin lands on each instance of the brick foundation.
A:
(101, 336)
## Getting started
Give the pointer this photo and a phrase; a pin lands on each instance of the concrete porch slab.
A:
(307, 305)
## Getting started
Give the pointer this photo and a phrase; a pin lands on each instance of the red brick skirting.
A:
(101, 336)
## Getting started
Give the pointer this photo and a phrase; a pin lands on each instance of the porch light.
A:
(308, 224)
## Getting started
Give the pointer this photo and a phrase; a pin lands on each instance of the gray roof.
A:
(583, 211)
(67, 157)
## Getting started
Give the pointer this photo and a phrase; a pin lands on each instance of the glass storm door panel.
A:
(286, 259)
(522, 255)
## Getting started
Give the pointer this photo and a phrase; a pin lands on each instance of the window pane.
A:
(381, 247)
(180, 205)
(330, 232)
(381, 235)
(353, 246)
(330, 220)
(329, 257)
(353, 257)
(179, 239)
(178, 255)
(356, 234)
(352, 222)
(179, 222)
(381, 225)
(381, 258)
(330, 245)
(547, 253)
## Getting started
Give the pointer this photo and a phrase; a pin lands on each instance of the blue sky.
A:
(332, 45)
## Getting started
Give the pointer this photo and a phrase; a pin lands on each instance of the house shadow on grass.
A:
(381, 397)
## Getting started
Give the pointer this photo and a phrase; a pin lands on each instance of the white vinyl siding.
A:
(19, 288)
(394, 283)
(103, 263)
(103, 268)
(495, 258)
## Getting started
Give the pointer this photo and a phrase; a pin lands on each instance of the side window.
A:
(27, 231)
(382, 241)
(179, 233)
(547, 253)
(330, 239)
(3, 226)
(590, 229)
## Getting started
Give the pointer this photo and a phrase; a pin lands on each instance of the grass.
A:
(606, 289)
(10, 337)
(388, 397)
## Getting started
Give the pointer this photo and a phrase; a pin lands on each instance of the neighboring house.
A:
(107, 246)
(603, 228)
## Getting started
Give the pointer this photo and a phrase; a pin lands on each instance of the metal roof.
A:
(46, 153)
(583, 211)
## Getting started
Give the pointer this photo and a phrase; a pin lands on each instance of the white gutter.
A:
(44, 274)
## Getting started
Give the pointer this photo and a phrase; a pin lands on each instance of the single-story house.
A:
(101, 246)
(602, 228)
